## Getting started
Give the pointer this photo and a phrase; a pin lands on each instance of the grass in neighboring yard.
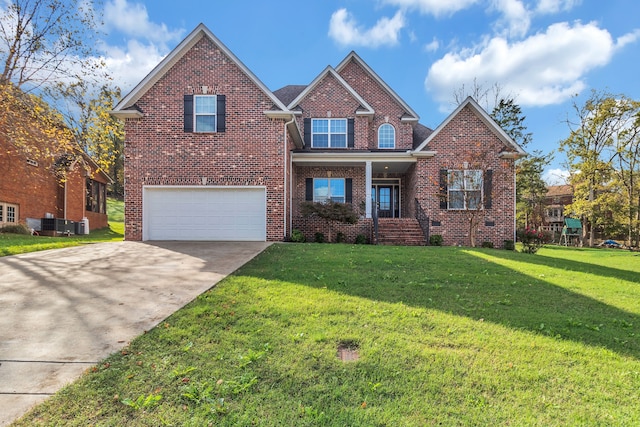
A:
(445, 336)
(12, 244)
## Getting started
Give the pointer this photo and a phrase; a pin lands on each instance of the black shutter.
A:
(307, 133)
(444, 176)
(188, 113)
(488, 184)
(350, 132)
(348, 190)
(221, 109)
(308, 195)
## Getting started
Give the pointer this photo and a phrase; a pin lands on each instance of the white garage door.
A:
(204, 213)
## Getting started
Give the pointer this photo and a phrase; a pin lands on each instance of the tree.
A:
(508, 115)
(105, 138)
(330, 212)
(99, 134)
(628, 171)
(531, 189)
(47, 40)
(31, 126)
(591, 149)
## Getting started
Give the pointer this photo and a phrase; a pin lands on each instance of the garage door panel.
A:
(184, 213)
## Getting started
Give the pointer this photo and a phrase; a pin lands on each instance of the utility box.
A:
(79, 228)
(57, 225)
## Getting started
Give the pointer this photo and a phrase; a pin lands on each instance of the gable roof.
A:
(487, 120)
(126, 107)
(410, 114)
(365, 109)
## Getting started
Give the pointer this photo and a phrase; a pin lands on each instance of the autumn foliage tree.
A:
(602, 150)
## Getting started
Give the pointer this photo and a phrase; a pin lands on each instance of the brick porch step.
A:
(400, 231)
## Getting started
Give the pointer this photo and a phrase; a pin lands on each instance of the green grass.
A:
(13, 244)
(446, 336)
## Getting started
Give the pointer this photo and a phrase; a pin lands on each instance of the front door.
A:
(387, 199)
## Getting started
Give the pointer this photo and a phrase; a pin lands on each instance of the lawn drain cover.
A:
(348, 351)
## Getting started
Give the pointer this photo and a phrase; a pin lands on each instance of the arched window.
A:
(386, 136)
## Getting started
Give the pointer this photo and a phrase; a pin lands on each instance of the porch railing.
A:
(423, 220)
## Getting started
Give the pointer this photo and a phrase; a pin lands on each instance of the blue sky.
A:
(540, 52)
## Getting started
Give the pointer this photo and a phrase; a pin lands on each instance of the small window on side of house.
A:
(8, 213)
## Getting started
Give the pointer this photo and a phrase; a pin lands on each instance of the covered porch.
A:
(382, 180)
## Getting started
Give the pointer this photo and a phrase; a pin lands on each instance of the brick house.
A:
(212, 154)
(31, 190)
(557, 197)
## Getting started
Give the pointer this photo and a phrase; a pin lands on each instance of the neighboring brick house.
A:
(30, 188)
(212, 154)
(557, 197)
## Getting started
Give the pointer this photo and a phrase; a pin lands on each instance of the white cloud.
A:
(433, 7)
(556, 177)
(147, 42)
(132, 20)
(546, 68)
(555, 6)
(627, 38)
(344, 29)
(433, 46)
(516, 18)
(129, 64)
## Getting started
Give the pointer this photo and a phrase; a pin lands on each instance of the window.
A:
(325, 189)
(96, 200)
(8, 213)
(465, 189)
(386, 136)
(204, 113)
(329, 133)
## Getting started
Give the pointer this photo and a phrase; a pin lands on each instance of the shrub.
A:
(15, 229)
(297, 236)
(487, 245)
(361, 239)
(436, 240)
(340, 237)
(509, 245)
(531, 240)
(319, 237)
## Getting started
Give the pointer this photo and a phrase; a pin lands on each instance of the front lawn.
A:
(442, 336)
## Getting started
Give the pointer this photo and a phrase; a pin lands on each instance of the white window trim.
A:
(465, 190)
(394, 136)
(196, 114)
(329, 198)
(329, 133)
(4, 213)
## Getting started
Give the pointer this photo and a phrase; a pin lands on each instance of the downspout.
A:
(284, 213)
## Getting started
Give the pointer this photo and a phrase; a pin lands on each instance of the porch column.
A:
(367, 183)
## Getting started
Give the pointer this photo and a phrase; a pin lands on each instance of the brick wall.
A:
(387, 110)
(309, 226)
(467, 139)
(250, 152)
(37, 191)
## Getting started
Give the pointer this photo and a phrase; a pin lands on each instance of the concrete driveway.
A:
(62, 311)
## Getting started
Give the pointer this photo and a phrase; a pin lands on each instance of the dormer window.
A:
(386, 136)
